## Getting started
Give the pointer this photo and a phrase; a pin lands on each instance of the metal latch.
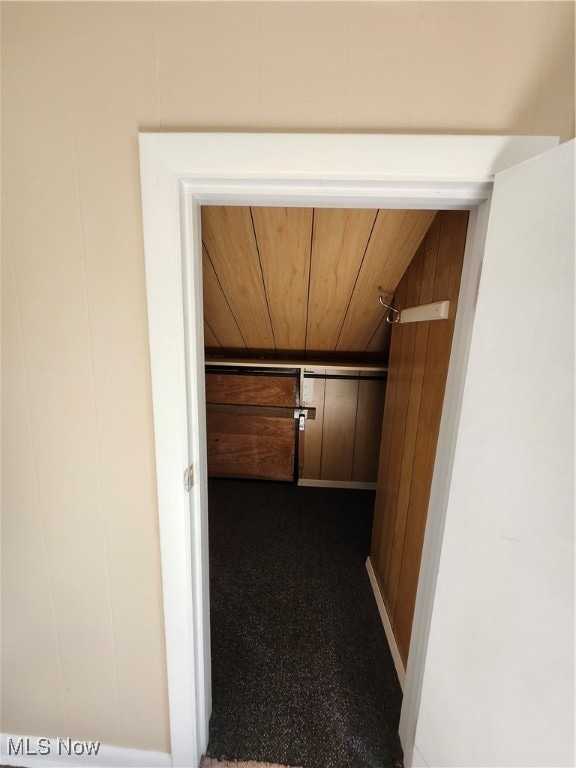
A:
(189, 478)
(301, 414)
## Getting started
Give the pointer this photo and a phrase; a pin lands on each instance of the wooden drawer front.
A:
(240, 389)
(258, 447)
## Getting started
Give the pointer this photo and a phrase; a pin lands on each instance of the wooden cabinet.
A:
(252, 431)
(258, 447)
(248, 388)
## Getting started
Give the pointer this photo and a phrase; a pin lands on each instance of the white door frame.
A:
(179, 173)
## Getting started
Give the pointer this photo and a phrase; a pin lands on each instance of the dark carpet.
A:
(301, 670)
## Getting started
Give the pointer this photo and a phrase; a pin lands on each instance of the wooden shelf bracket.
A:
(437, 310)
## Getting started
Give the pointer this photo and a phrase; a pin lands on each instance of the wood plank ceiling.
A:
(302, 282)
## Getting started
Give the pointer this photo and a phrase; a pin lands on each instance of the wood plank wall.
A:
(343, 442)
(303, 283)
(417, 370)
(340, 442)
(251, 442)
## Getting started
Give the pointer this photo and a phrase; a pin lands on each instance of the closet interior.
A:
(310, 379)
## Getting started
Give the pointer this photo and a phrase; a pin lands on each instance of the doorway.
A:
(296, 357)
(289, 292)
(181, 172)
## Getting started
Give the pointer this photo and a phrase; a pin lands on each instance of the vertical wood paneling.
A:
(313, 277)
(368, 429)
(447, 283)
(311, 469)
(394, 241)
(338, 244)
(342, 443)
(217, 312)
(379, 345)
(407, 337)
(384, 515)
(340, 405)
(421, 274)
(418, 366)
(284, 238)
(211, 343)
(228, 236)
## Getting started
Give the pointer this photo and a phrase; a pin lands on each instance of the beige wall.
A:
(82, 642)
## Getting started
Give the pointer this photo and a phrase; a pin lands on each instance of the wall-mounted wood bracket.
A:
(438, 310)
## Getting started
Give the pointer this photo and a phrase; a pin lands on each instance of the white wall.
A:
(499, 675)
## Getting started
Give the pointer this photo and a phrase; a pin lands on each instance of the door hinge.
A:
(189, 478)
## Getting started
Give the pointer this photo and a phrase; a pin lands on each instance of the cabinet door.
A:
(279, 390)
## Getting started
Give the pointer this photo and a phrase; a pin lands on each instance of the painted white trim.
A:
(340, 164)
(166, 325)
(338, 484)
(107, 757)
(417, 760)
(179, 172)
(191, 244)
(400, 671)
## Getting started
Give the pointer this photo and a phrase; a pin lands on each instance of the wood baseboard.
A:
(400, 671)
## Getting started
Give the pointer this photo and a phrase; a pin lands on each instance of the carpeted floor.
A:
(302, 674)
(210, 762)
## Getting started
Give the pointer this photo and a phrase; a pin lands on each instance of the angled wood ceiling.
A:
(303, 282)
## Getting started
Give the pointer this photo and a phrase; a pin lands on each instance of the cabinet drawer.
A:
(251, 389)
(258, 447)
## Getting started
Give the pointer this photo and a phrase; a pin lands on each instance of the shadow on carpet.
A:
(301, 671)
